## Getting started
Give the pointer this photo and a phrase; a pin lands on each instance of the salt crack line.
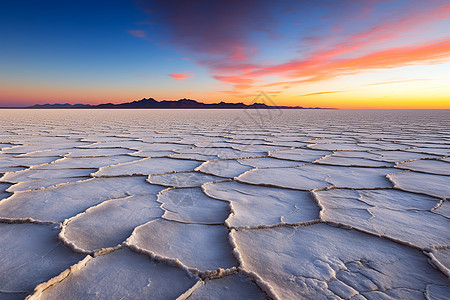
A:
(263, 285)
(39, 289)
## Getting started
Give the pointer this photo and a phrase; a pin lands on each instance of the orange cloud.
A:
(321, 93)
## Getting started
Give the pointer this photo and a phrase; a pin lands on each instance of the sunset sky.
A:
(344, 54)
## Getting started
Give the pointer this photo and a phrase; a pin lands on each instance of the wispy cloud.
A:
(321, 93)
(395, 81)
(181, 76)
(138, 33)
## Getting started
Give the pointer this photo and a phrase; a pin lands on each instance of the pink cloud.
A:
(138, 33)
(181, 76)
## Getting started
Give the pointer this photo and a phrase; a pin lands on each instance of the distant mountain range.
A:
(182, 103)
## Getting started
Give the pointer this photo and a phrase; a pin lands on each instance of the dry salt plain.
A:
(156, 204)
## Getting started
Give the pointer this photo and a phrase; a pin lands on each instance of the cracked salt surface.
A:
(145, 204)
(191, 205)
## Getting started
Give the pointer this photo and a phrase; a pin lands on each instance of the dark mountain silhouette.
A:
(166, 104)
(59, 105)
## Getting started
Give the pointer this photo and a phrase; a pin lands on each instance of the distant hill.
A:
(166, 104)
(59, 105)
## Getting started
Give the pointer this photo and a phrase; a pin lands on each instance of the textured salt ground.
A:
(338, 146)
(159, 146)
(432, 151)
(351, 162)
(30, 255)
(427, 166)
(169, 240)
(191, 205)
(433, 185)
(267, 162)
(309, 177)
(87, 162)
(440, 258)
(443, 209)
(395, 156)
(185, 179)
(45, 205)
(250, 204)
(151, 154)
(302, 155)
(384, 145)
(93, 230)
(322, 262)
(223, 168)
(147, 167)
(126, 144)
(236, 286)
(122, 274)
(216, 153)
(79, 153)
(19, 149)
(42, 183)
(25, 162)
(100, 214)
(33, 174)
(402, 216)
(289, 144)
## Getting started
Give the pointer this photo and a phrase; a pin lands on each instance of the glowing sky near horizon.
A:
(345, 54)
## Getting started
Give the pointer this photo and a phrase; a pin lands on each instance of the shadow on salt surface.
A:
(200, 248)
(429, 184)
(440, 258)
(321, 261)
(256, 206)
(30, 254)
(3, 190)
(236, 286)
(191, 205)
(147, 166)
(110, 223)
(443, 209)
(401, 216)
(310, 177)
(46, 204)
(119, 275)
(193, 156)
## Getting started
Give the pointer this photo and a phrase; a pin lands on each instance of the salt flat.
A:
(224, 204)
